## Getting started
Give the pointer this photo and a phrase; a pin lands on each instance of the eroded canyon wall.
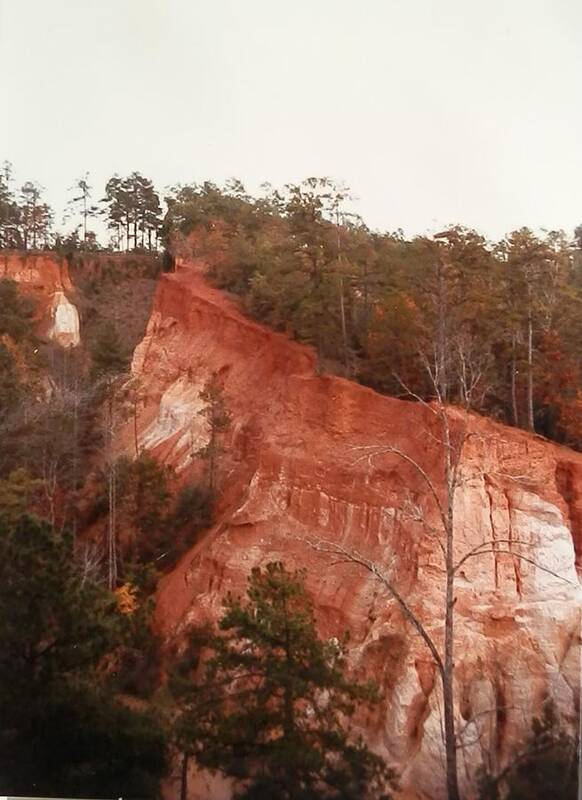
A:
(45, 277)
(297, 468)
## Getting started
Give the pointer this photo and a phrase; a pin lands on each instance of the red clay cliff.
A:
(45, 278)
(295, 471)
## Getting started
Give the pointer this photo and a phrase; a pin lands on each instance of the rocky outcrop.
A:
(43, 273)
(65, 321)
(45, 277)
(298, 468)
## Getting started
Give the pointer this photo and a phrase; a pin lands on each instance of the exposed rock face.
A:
(296, 469)
(46, 278)
(40, 272)
(65, 321)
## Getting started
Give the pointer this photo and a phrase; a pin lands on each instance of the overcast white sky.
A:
(433, 112)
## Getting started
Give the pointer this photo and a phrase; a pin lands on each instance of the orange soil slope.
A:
(295, 470)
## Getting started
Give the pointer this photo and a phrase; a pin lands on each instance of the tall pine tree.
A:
(271, 706)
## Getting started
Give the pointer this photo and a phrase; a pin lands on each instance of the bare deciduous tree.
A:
(450, 440)
(89, 557)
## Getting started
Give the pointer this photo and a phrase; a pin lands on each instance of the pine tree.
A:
(35, 216)
(16, 491)
(108, 354)
(143, 506)
(63, 731)
(9, 210)
(16, 337)
(219, 421)
(115, 207)
(543, 767)
(80, 204)
(271, 706)
(16, 311)
(11, 386)
(133, 209)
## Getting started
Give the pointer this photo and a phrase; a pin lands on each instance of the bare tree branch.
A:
(380, 450)
(477, 551)
(352, 556)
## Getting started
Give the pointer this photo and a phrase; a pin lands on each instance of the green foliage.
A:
(378, 308)
(266, 701)
(53, 438)
(395, 313)
(16, 312)
(80, 205)
(544, 766)
(9, 210)
(144, 505)
(11, 385)
(192, 511)
(156, 529)
(108, 355)
(138, 658)
(51, 623)
(16, 492)
(196, 205)
(219, 421)
(133, 211)
(62, 731)
(25, 220)
(34, 217)
(17, 341)
(60, 443)
(84, 742)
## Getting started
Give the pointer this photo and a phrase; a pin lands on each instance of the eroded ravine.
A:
(293, 471)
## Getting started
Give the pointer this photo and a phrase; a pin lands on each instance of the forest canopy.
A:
(495, 326)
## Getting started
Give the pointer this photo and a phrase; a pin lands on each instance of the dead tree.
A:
(451, 442)
(111, 466)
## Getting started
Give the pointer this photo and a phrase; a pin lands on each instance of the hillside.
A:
(313, 468)
(292, 473)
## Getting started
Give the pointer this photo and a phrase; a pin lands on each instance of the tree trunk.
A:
(514, 410)
(441, 338)
(212, 459)
(580, 733)
(344, 326)
(135, 439)
(530, 410)
(112, 496)
(184, 777)
(451, 463)
(366, 299)
(84, 219)
(111, 538)
(34, 227)
(448, 681)
(75, 450)
(288, 701)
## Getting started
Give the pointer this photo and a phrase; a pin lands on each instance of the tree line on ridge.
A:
(496, 325)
